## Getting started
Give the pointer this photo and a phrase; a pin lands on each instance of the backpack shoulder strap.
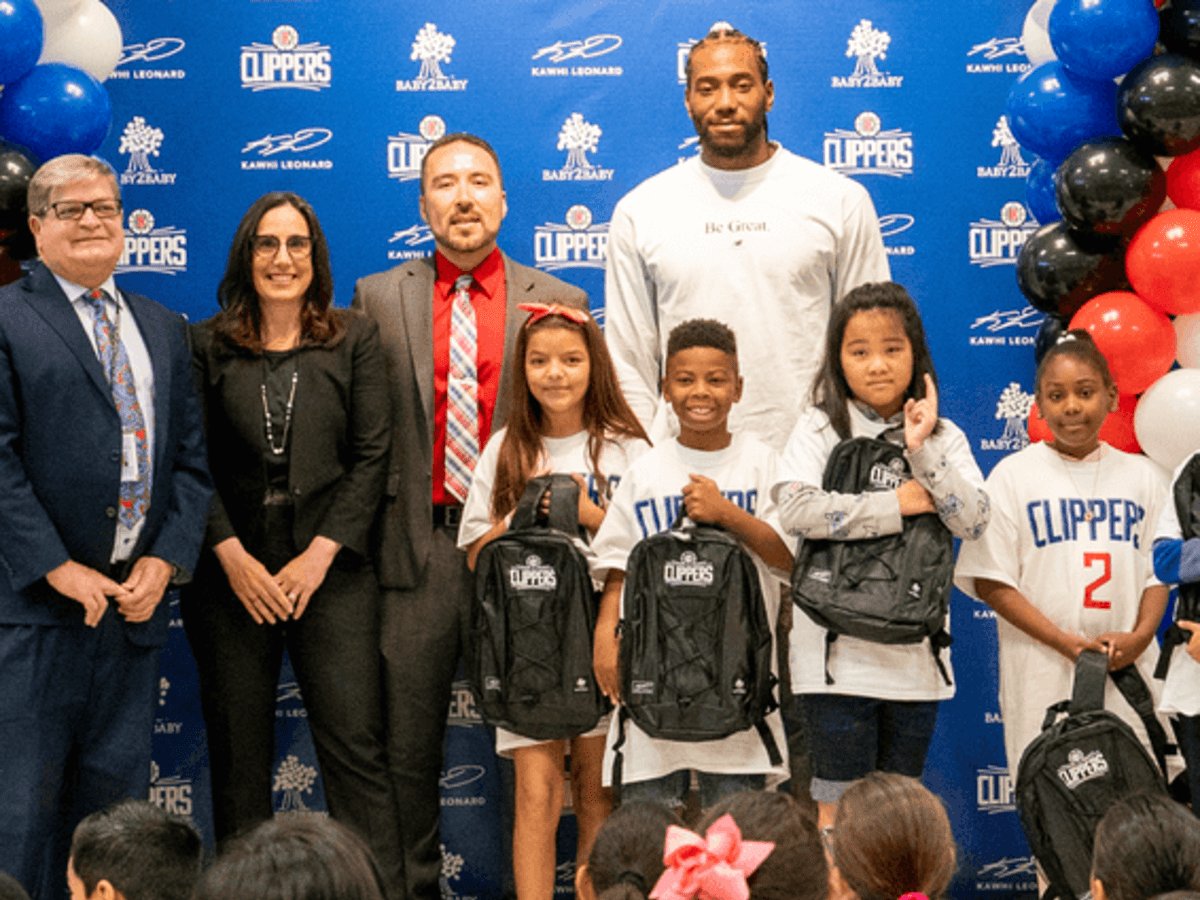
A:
(1137, 694)
(1091, 673)
(564, 503)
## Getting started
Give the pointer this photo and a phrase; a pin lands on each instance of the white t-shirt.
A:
(767, 250)
(946, 468)
(566, 455)
(1181, 690)
(650, 496)
(1086, 576)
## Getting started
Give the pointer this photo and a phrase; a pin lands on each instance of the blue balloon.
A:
(1051, 112)
(20, 37)
(56, 109)
(1039, 192)
(1101, 39)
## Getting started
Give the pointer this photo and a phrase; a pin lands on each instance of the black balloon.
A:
(1109, 186)
(1058, 270)
(1047, 336)
(16, 168)
(1158, 105)
(1179, 27)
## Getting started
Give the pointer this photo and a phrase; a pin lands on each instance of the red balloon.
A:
(1183, 180)
(1038, 429)
(1163, 262)
(1136, 339)
(1117, 430)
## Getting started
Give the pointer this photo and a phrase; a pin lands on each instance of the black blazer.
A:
(340, 438)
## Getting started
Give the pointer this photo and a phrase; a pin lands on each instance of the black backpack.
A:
(892, 589)
(695, 658)
(1186, 497)
(1073, 771)
(529, 660)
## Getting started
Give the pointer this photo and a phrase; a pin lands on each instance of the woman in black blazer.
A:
(298, 421)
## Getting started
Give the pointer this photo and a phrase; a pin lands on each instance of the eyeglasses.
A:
(74, 209)
(267, 245)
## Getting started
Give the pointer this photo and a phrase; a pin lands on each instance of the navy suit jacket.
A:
(60, 452)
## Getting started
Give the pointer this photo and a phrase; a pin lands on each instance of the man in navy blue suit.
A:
(103, 496)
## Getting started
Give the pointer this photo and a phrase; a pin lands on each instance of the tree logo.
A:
(141, 141)
(432, 48)
(1013, 408)
(579, 244)
(1011, 164)
(452, 866)
(294, 780)
(578, 137)
(867, 44)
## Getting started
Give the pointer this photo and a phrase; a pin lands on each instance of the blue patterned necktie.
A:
(462, 394)
(135, 494)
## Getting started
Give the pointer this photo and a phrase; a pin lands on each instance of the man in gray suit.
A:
(420, 307)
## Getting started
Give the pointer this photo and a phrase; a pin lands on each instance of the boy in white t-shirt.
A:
(719, 478)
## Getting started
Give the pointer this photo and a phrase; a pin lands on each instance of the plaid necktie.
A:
(462, 394)
(135, 495)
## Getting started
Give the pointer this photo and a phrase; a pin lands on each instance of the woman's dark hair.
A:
(293, 857)
(240, 319)
(891, 836)
(796, 869)
(1146, 844)
(606, 414)
(627, 855)
(831, 393)
(1076, 343)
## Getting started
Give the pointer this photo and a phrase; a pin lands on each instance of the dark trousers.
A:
(1187, 730)
(422, 641)
(334, 649)
(76, 717)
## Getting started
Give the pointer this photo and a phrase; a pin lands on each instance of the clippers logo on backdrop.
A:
(565, 51)
(867, 44)
(141, 141)
(1002, 875)
(993, 242)
(1013, 410)
(413, 236)
(578, 137)
(683, 48)
(688, 571)
(293, 779)
(405, 151)
(151, 51)
(869, 149)
(994, 790)
(580, 244)
(432, 48)
(458, 777)
(286, 63)
(995, 56)
(162, 249)
(1081, 768)
(999, 328)
(462, 710)
(288, 702)
(268, 147)
(892, 225)
(172, 793)
(533, 576)
(161, 725)
(1011, 164)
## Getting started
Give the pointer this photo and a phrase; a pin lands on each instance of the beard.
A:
(752, 132)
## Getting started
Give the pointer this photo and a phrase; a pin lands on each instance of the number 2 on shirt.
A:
(1105, 559)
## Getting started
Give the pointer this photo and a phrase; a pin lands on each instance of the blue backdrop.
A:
(217, 103)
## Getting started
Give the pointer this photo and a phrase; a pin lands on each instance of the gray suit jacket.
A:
(401, 301)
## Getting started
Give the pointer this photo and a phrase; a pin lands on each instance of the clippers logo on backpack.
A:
(1080, 768)
(688, 571)
(888, 476)
(533, 576)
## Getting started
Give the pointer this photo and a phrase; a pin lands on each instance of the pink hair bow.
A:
(539, 311)
(714, 867)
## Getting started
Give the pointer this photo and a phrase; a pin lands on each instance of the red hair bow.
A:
(539, 311)
(710, 868)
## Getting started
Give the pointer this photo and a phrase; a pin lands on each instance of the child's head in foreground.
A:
(1146, 844)
(702, 381)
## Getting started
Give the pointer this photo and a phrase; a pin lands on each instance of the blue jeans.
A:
(850, 737)
(669, 790)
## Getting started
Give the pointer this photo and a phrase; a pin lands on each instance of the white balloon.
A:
(1187, 340)
(89, 40)
(55, 12)
(1035, 36)
(1167, 418)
